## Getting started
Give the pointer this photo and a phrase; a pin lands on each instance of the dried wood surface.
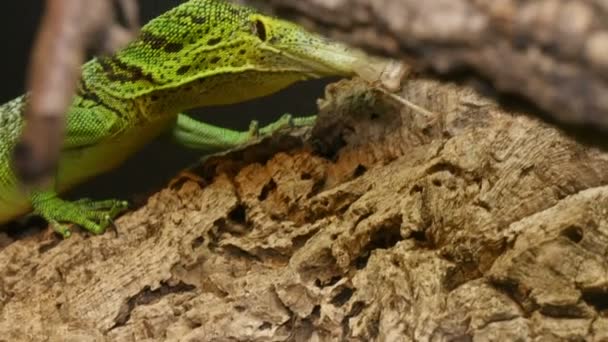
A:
(388, 225)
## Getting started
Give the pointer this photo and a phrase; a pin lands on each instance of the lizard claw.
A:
(114, 227)
(61, 229)
(254, 129)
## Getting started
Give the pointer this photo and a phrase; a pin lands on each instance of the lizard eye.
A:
(260, 30)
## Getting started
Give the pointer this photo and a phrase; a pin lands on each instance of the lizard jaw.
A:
(335, 60)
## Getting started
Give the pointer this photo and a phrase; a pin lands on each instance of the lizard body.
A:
(201, 53)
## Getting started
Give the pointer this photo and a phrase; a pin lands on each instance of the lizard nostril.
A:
(260, 30)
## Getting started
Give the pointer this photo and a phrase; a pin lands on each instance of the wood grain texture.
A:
(386, 225)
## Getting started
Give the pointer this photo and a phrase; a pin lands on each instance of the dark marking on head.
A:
(119, 71)
(183, 69)
(214, 41)
(104, 62)
(83, 91)
(158, 42)
(155, 42)
(173, 47)
(87, 94)
(199, 20)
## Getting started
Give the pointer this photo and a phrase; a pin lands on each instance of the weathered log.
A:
(388, 225)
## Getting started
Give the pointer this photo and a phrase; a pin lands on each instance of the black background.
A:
(150, 169)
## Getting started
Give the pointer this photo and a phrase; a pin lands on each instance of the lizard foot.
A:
(287, 121)
(94, 216)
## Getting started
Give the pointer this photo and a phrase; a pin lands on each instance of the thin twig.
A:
(68, 28)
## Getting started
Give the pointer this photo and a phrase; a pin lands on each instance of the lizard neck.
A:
(90, 95)
(219, 89)
(157, 102)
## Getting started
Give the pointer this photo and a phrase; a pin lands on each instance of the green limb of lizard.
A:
(202, 136)
(94, 216)
(87, 125)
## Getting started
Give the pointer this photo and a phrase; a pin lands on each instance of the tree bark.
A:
(387, 225)
(478, 222)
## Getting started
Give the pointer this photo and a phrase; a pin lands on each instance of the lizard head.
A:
(288, 47)
(215, 41)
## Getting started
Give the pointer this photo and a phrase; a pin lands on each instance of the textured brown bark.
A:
(387, 225)
(477, 223)
(553, 52)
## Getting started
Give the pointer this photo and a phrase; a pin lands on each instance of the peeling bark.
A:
(383, 225)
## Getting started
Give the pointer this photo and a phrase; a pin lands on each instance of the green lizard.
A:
(203, 52)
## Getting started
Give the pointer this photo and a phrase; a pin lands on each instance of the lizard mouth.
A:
(322, 60)
(319, 59)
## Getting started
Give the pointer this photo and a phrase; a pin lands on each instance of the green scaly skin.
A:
(201, 53)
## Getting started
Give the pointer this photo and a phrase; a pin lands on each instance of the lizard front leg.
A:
(94, 216)
(90, 125)
(208, 138)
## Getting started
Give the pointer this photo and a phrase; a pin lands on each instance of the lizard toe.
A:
(254, 129)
